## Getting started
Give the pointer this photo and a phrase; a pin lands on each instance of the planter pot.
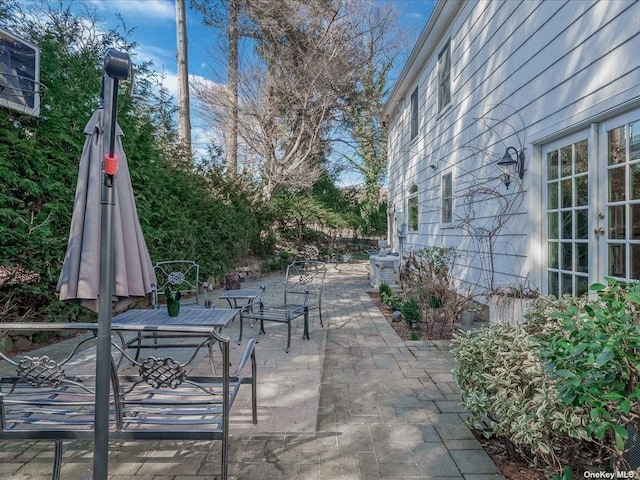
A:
(173, 307)
(467, 317)
(505, 309)
(6, 344)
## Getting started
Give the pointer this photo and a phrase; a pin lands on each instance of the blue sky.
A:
(153, 24)
(154, 30)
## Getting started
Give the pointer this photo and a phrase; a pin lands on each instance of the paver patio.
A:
(354, 402)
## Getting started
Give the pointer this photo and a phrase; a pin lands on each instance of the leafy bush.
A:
(566, 379)
(508, 394)
(411, 311)
(392, 299)
(384, 289)
(595, 357)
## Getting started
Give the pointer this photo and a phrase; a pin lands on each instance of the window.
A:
(412, 208)
(447, 198)
(444, 77)
(414, 114)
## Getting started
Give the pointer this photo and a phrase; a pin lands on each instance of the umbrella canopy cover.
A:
(133, 270)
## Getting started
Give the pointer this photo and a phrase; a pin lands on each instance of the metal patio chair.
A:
(304, 281)
(176, 275)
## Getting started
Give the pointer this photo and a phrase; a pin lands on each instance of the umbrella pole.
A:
(117, 66)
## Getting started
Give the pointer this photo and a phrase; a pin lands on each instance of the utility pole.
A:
(232, 151)
(184, 111)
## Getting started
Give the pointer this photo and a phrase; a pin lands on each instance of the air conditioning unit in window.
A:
(19, 75)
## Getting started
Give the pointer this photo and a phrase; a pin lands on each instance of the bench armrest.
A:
(249, 306)
(249, 351)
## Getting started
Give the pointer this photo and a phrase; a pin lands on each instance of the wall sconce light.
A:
(507, 162)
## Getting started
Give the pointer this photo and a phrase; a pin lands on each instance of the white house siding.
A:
(533, 72)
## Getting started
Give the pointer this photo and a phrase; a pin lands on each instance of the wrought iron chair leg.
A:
(254, 389)
(305, 334)
(57, 461)
(288, 334)
(139, 344)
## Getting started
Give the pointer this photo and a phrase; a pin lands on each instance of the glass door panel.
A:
(623, 199)
(568, 218)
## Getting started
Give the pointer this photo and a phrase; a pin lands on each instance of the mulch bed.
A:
(436, 327)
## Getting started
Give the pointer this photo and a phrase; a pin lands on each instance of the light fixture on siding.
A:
(508, 163)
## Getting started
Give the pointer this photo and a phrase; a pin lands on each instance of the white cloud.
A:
(163, 59)
(147, 9)
(170, 82)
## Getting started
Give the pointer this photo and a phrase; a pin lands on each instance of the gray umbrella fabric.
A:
(133, 270)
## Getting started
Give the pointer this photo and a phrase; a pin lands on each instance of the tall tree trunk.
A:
(184, 114)
(232, 151)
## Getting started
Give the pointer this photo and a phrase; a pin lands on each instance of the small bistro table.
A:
(248, 294)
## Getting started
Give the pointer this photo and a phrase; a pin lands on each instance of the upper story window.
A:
(412, 208)
(414, 114)
(447, 198)
(444, 77)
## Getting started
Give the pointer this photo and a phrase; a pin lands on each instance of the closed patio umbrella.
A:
(133, 270)
(107, 257)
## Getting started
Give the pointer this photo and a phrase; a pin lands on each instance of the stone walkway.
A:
(354, 402)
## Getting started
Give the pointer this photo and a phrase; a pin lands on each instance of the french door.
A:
(592, 192)
(619, 253)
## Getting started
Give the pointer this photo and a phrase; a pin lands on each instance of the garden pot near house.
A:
(467, 317)
(232, 281)
(505, 309)
(6, 344)
(173, 307)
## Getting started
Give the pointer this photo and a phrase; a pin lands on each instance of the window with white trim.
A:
(444, 77)
(447, 198)
(412, 208)
(414, 114)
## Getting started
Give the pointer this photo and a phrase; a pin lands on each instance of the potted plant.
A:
(411, 312)
(173, 302)
(468, 314)
(509, 303)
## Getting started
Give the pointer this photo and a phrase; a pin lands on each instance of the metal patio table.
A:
(189, 315)
(151, 323)
(233, 296)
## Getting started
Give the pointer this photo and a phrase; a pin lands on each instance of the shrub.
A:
(504, 384)
(393, 300)
(390, 297)
(567, 378)
(384, 289)
(428, 275)
(595, 357)
(411, 311)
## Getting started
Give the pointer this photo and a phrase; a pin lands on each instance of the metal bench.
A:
(303, 286)
(170, 398)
